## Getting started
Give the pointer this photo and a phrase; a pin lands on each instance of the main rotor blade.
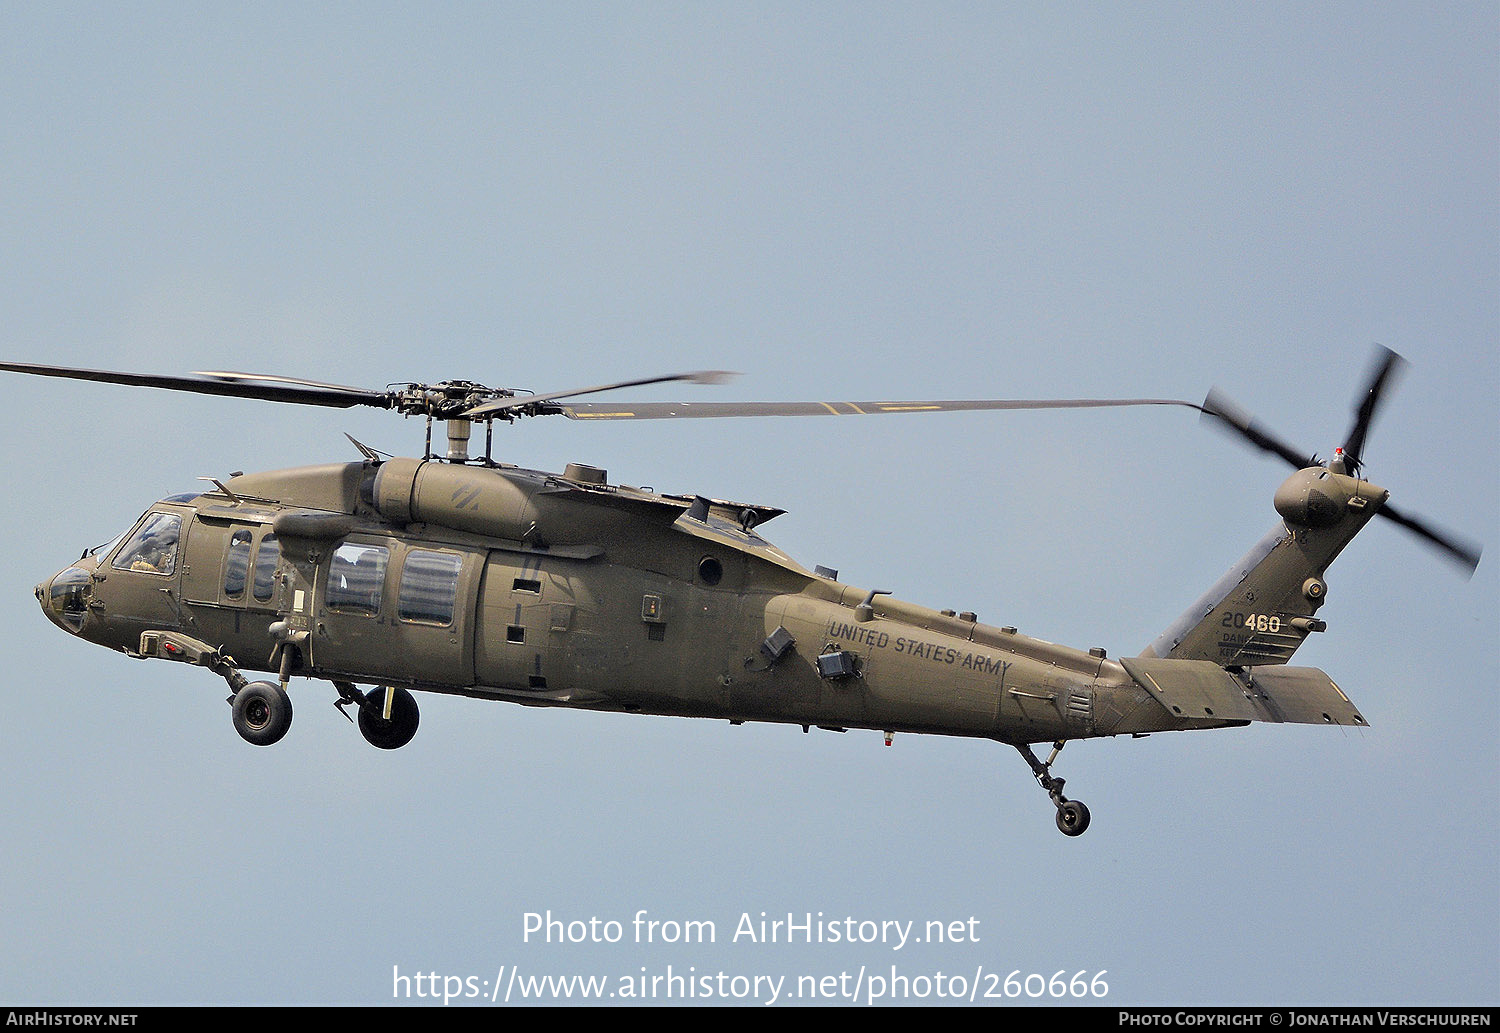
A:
(266, 391)
(715, 410)
(1462, 552)
(706, 376)
(1217, 405)
(1387, 364)
(267, 378)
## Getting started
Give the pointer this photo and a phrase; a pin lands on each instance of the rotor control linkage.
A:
(1072, 815)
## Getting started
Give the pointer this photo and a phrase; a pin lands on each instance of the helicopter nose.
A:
(64, 598)
(43, 593)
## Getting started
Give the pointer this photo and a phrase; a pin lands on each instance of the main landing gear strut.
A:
(1072, 815)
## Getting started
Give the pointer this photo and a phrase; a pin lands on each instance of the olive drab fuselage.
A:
(565, 591)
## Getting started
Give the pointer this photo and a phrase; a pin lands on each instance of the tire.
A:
(262, 713)
(398, 731)
(1072, 818)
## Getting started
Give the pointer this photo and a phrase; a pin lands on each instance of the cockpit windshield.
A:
(152, 547)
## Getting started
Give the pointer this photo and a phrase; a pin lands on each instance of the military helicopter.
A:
(468, 576)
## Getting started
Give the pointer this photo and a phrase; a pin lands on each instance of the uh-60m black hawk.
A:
(463, 575)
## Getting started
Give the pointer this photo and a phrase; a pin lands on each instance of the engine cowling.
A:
(464, 498)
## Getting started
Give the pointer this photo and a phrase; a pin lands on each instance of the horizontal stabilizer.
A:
(1202, 690)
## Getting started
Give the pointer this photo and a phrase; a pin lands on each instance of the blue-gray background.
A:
(839, 200)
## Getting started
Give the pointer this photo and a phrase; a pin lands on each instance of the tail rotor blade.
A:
(1388, 363)
(1218, 406)
(1461, 552)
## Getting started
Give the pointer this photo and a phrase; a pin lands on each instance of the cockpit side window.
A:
(152, 549)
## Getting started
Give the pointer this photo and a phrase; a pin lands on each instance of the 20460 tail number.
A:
(1260, 622)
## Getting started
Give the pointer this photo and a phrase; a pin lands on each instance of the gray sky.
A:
(839, 201)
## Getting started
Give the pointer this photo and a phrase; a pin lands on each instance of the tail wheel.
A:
(1072, 818)
(262, 713)
(392, 726)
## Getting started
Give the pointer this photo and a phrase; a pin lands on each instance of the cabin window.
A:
(152, 549)
(237, 565)
(429, 587)
(356, 580)
(266, 558)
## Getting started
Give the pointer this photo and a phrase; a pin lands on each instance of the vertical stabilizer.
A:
(1263, 608)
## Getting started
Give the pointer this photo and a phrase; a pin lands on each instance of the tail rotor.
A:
(1349, 457)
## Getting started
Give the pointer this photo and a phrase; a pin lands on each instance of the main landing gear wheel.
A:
(388, 727)
(262, 713)
(1072, 815)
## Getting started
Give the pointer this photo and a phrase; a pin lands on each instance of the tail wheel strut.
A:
(1072, 815)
